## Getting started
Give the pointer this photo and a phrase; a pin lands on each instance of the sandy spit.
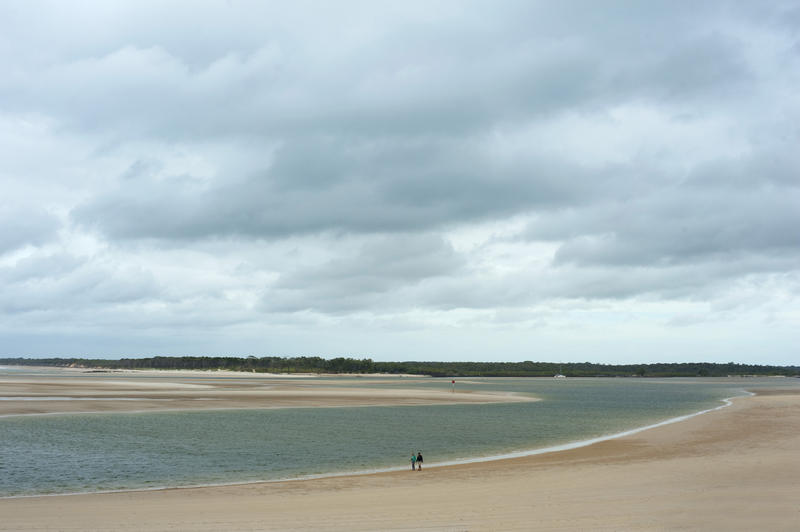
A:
(99, 392)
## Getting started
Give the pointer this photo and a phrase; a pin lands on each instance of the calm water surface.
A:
(91, 452)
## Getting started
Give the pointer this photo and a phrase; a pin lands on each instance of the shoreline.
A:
(97, 370)
(506, 397)
(727, 402)
(81, 393)
(733, 469)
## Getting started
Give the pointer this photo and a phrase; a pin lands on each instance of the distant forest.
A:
(433, 369)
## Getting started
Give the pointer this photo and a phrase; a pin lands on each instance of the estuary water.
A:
(99, 452)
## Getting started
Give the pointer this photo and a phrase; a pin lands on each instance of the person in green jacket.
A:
(413, 461)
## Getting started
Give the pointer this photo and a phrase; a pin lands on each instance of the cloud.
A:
(257, 170)
(337, 186)
(367, 279)
(410, 78)
(64, 282)
(706, 217)
(26, 227)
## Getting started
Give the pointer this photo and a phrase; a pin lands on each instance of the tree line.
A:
(315, 364)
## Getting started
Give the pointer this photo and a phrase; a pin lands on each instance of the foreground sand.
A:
(733, 469)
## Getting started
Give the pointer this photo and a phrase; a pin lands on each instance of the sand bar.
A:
(148, 391)
(732, 469)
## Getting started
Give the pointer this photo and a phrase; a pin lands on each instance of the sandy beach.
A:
(81, 391)
(732, 469)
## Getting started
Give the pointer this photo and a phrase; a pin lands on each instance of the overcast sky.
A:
(557, 181)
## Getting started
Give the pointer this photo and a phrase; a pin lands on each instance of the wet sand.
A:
(731, 469)
(75, 391)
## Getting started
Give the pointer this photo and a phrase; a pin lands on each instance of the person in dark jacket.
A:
(419, 461)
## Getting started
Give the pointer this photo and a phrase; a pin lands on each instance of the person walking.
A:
(419, 461)
(413, 461)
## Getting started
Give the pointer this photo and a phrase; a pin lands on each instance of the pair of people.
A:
(416, 461)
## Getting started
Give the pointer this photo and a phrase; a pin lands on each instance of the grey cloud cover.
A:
(22, 227)
(247, 172)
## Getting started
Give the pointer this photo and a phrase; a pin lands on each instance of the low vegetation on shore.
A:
(339, 365)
